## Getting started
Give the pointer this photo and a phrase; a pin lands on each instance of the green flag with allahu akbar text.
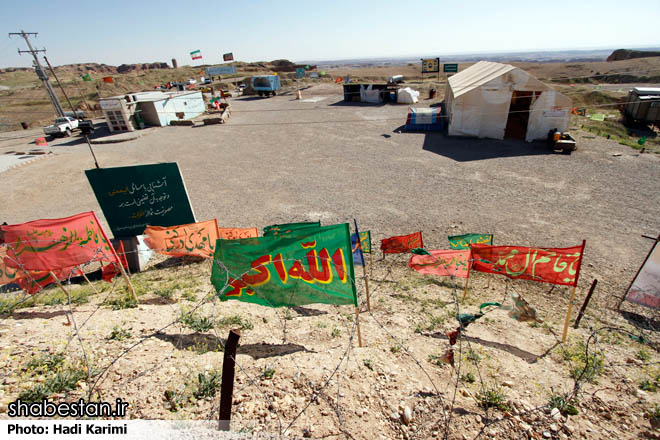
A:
(311, 265)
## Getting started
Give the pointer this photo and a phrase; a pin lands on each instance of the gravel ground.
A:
(280, 160)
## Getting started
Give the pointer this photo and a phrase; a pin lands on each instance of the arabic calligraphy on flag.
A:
(197, 239)
(50, 244)
(311, 265)
(286, 228)
(546, 265)
(402, 243)
(31, 281)
(365, 241)
(445, 263)
(464, 241)
(237, 233)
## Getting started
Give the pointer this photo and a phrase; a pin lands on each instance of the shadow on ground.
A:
(470, 149)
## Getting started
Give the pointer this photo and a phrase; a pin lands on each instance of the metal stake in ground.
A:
(586, 301)
(227, 387)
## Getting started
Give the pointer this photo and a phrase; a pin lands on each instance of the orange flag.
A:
(50, 244)
(235, 233)
(191, 239)
(443, 263)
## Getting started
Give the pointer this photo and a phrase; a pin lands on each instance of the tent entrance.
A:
(516, 124)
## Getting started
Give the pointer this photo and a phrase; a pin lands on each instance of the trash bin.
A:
(432, 93)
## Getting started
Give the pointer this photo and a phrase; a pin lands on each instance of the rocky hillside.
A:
(627, 54)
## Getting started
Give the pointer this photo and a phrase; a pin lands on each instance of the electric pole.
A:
(41, 73)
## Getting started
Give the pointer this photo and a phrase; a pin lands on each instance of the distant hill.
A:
(627, 54)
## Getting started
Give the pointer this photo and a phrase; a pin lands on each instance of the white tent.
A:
(494, 100)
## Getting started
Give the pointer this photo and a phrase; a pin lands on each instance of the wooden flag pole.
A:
(366, 283)
(68, 321)
(88, 281)
(467, 282)
(357, 320)
(568, 315)
(128, 281)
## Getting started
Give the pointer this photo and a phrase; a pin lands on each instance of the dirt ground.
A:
(280, 160)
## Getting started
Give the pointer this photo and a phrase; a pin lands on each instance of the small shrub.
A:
(268, 373)
(235, 321)
(469, 378)
(369, 364)
(196, 322)
(565, 406)
(189, 295)
(207, 385)
(396, 348)
(59, 382)
(473, 356)
(119, 333)
(643, 355)
(46, 363)
(288, 315)
(437, 360)
(650, 384)
(165, 293)
(493, 398)
(37, 393)
(175, 399)
(583, 366)
(321, 324)
(122, 302)
(335, 332)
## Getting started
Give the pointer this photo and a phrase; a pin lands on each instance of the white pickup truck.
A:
(62, 127)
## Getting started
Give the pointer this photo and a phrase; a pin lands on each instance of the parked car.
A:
(63, 126)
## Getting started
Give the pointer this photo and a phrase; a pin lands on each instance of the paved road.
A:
(279, 160)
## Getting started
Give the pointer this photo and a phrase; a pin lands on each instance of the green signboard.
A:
(450, 68)
(300, 72)
(307, 266)
(136, 196)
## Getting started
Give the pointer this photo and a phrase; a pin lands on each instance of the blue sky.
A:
(146, 31)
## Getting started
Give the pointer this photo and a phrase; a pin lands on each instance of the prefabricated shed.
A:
(494, 100)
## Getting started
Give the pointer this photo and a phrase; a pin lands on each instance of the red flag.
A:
(108, 79)
(51, 244)
(338, 80)
(35, 281)
(443, 263)
(402, 243)
(548, 265)
(109, 271)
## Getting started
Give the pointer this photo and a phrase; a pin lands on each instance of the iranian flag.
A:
(196, 54)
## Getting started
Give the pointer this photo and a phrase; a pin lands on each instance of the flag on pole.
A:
(443, 263)
(286, 228)
(228, 56)
(464, 241)
(546, 265)
(108, 79)
(307, 266)
(86, 77)
(356, 247)
(402, 243)
(196, 54)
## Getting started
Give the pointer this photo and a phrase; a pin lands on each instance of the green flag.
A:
(464, 241)
(311, 265)
(86, 77)
(365, 241)
(289, 227)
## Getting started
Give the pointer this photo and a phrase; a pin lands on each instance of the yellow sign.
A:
(431, 65)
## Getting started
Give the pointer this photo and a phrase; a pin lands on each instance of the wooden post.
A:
(128, 281)
(88, 281)
(366, 284)
(467, 282)
(357, 320)
(227, 387)
(568, 315)
(68, 321)
(586, 301)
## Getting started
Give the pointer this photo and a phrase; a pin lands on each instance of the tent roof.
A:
(477, 75)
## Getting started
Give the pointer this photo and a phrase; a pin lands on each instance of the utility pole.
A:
(41, 73)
